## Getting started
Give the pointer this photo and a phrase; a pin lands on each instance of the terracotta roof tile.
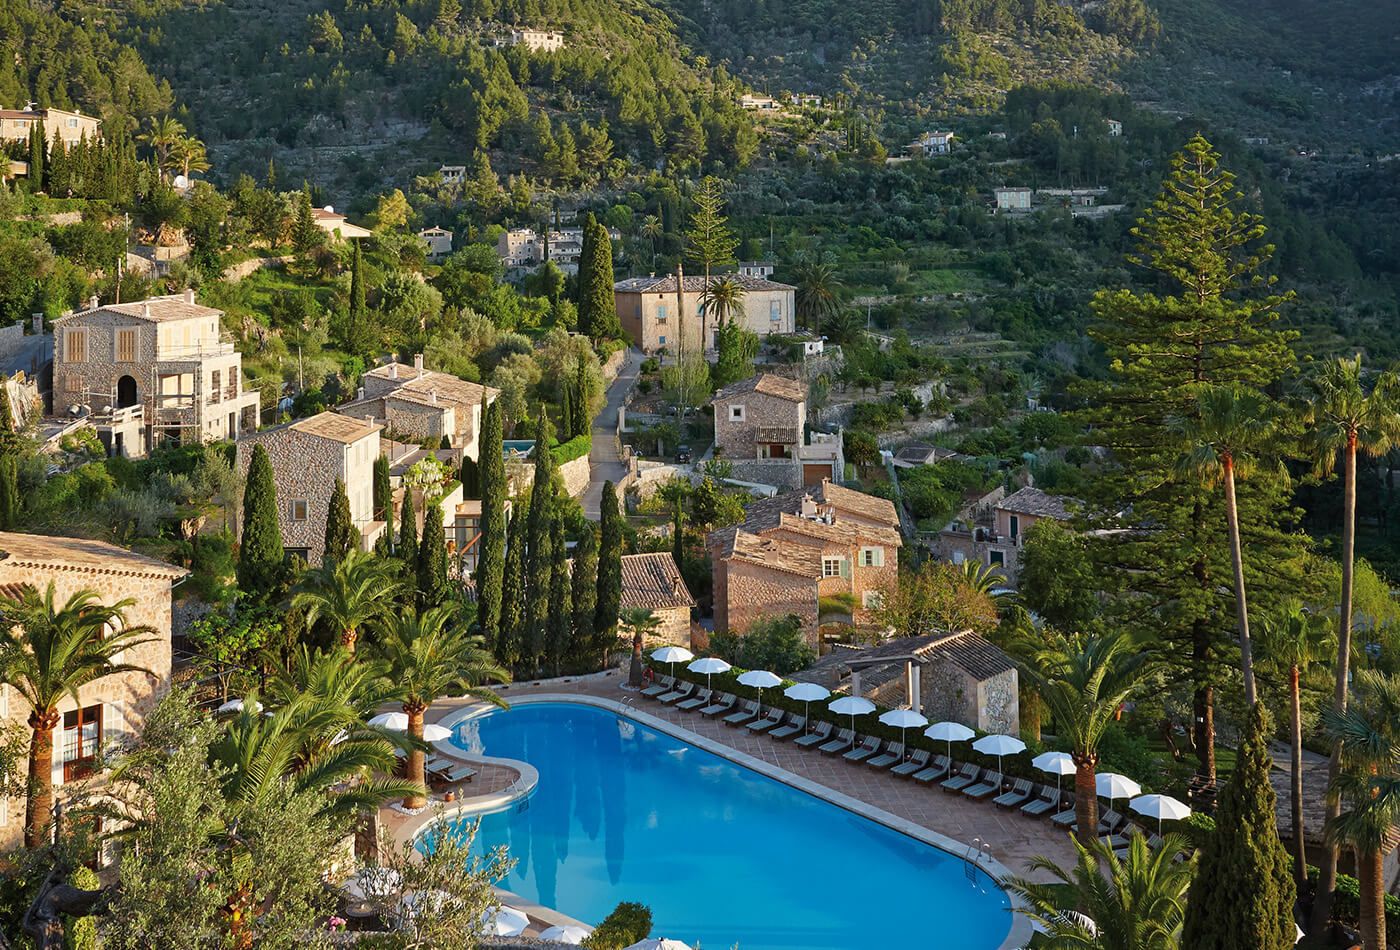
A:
(653, 582)
(769, 384)
(154, 309)
(770, 552)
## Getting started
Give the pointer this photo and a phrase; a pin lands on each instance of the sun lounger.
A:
(1047, 800)
(1020, 794)
(1110, 823)
(843, 741)
(795, 726)
(725, 704)
(894, 752)
(774, 718)
(865, 750)
(1066, 818)
(663, 684)
(816, 737)
(701, 698)
(748, 711)
(917, 762)
(681, 692)
(459, 773)
(966, 776)
(937, 770)
(990, 785)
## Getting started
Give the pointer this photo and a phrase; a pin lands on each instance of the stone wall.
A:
(999, 704)
(675, 625)
(948, 692)
(613, 365)
(11, 338)
(783, 474)
(746, 593)
(575, 475)
(736, 439)
(304, 467)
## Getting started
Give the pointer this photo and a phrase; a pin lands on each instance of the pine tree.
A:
(1209, 328)
(491, 549)
(558, 646)
(260, 553)
(710, 241)
(511, 634)
(383, 493)
(609, 600)
(306, 235)
(432, 560)
(407, 548)
(585, 594)
(597, 307)
(1243, 894)
(340, 526)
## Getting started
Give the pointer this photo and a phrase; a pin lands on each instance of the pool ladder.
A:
(976, 851)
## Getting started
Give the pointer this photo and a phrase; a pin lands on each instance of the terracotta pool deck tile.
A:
(1013, 839)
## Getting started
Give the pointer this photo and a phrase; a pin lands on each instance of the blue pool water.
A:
(721, 854)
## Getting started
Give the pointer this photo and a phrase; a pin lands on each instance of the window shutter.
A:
(846, 568)
(878, 556)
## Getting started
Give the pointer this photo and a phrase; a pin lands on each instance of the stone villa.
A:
(650, 311)
(991, 529)
(307, 456)
(149, 372)
(114, 708)
(60, 125)
(794, 548)
(423, 405)
(653, 582)
(761, 430)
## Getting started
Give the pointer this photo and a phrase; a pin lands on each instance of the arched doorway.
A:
(126, 392)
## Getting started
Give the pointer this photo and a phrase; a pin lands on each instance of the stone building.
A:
(795, 548)
(422, 405)
(60, 125)
(307, 457)
(991, 530)
(150, 372)
(336, 226)
(438, 242)
(114, 708)
(653, 582)
(536, 41)
(649, 310)
(761, 430)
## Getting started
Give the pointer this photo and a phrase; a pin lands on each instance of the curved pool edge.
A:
(1019, 935)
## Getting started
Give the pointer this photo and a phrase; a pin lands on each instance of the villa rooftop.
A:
(1033, 501)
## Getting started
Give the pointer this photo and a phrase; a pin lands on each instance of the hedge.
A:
(575, 448)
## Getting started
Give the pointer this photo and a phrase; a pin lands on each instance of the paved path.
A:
(603, 460)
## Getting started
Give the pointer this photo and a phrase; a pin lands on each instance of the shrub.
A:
(628, 923)
(774, 643)
(575, 448)
(80, 933)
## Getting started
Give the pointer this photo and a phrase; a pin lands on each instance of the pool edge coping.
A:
(1019, 935)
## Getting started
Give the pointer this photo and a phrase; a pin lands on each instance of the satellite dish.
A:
(328, 209)
(181, 182)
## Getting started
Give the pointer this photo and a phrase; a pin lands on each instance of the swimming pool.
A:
(720, 853)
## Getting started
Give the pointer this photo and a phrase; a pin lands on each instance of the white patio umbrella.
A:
(658, 943)
(1160, 807)
(903, 719)
(503, 921)
(1301, 935)
(1112, 786)
(760, 680)
(949, 732)
(568, 933)
(673, 655)
(852, 706)
(807, 694)
(999, 746)
(1058, 764)
(398, 722)
(235, 706)
(709, 665)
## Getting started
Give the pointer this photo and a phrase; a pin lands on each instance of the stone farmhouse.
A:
(536, 41)
(151, 372)
(991, 529)
(524, 249)
(797, 547)
(59, 125)
(649, 309)
(335, 225)
(422, 405)
(1012, 199)
(931, 143)
(113, 709)
(307, 456)
(760, 429)
(653, 582)
(438, 242)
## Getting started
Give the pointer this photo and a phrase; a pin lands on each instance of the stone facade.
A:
(59, 125)
(307, 457)
(121, 701)
(648, 310)
(746, 592)
(761, 430)
(653, 582)
(992, 530)
(421, 405)
(151, 371)
(951, 693)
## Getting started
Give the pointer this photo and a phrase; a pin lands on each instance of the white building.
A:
(526, 249)
(438, 240)
(758, 103)
(536, 41)
(335, 224)
(453, 174)
(760, 269)
(1115, 128)
(1012, 199)
(932, 143)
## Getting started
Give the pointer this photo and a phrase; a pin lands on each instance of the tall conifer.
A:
(511, 632)
(407, 548)
(609, 601)
(558, 646)
(341, 535)
(585, 593)
(491, 549)
(383, 493)
(260, 553)
(540, 562)
(432, 559)
(597, 307)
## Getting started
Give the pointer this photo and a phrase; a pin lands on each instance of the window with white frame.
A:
(831, 566)
(736, 413)
(872, 557)
(298, 509)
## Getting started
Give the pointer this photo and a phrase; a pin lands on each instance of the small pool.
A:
(721, 854)
(517, 447)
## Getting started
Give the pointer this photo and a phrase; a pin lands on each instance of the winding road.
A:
(603, 461)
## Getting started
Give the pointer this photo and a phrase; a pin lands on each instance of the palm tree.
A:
(1138, 904)
(350, 594)
(723, 297)
(1367, 737)
(162, 136)
(818, 293)
(1222, 442)
(49, 652)
(653, 228)
(188, 155)
(1344, 419)
(1083, 681)
(640, 622)
(986, 580)
(429, 656)
(1297, 639)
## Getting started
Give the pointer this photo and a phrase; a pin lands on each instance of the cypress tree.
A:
(581, 421)
(585, 593)
(358, 330)
(512, 609)
(471, 477)
(566, 410)
(558, 645)
(10, 505)
(539, 564)
(407, 549)
(597, 308)
(432, 560)
(38, 152)
(383, 493)
(260, 553)
(584, 278)
(340, 526)
(1243, 894)
(609, 601)
(491, 549)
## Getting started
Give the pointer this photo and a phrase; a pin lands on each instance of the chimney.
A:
(434, 397)
(394, 369)
(360, 394)
(92, 302)
(418, 364)
(189, 296)
(146, 310)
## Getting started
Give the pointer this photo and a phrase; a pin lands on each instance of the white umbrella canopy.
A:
(1112, 786)
(503, 921)
(760, 680)
(709, 665)
(236, 706)
(1058, 764)
(658, 943)
(807, 694)
(568, 933)
(673, 655)
(949, 732)
(999, 746)
(398, 722)
(1160, 807)
(903, 719)
(852, 706)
